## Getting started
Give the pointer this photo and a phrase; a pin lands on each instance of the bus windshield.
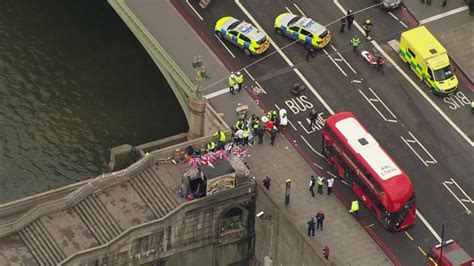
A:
(400, 216)
(443, 73)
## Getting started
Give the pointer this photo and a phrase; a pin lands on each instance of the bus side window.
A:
(411, 53)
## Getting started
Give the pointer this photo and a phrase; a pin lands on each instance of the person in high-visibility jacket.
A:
(220, 136)
(246, 136)
(272, 115)
(211, 147)
(355, 208)
(232, 82)
(239, 124)
(355, 42)
(240, 80)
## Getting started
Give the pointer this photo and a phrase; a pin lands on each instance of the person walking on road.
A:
(259, 133)
(367, 26)
(309, 51)
(312, 118)
(240, 80)
(330, 183)
(320, 182)
(273, 135)
(266, 182)
(350, 19)
(444, 2)
(355, 208)
(232, 82)
(343, 24)
(326, 252)
(312, 182)
(311, 227)
(319, 220)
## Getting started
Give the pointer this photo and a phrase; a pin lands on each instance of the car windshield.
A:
(324, 34)
(443, 73)
(262, 40)
(294, 20)
(233, 25)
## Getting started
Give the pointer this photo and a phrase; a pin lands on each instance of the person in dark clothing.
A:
(273, 135)
(367, 26)
(471, 7)
(266, 182)
(309, 51)
(319, 220)
(312, 118)
(444, 2)
(311, 227)
(260, 131)
(312, 182)
(350, 19)
(326, 252)
(343, 24)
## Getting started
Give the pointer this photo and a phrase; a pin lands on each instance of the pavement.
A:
(349, 243)
(452, 26)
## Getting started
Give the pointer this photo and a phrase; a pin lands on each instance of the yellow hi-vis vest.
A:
(246, 133)
(355, 206)
(231, 81)
(211, 146)
(240, 79)
(220, 136)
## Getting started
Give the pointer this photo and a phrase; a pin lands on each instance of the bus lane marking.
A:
(199, 16)
(330, 57)
(377, 99)
(311, 147)
(457, 100)
(287, 60)
(461, 200)
(225, 46)
(343, 59)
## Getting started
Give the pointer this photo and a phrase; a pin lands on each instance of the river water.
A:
(74, 82)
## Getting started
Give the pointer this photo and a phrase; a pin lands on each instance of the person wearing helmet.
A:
(232, 82)
(240, 80)
(368, 26)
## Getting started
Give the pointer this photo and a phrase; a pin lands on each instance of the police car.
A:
(303, 29)
(242, 34)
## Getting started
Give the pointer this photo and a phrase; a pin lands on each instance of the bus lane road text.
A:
(301, 104)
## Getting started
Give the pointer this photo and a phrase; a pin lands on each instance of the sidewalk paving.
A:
(455, 31)
(349, 243)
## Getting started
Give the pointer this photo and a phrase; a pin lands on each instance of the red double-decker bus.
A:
(365, 166)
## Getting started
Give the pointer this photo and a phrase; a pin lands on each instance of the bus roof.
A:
(395, 183)
(424, 42)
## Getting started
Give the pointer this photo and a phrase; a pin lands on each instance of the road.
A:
(430, 137)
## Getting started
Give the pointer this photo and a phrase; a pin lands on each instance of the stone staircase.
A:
(154, 193)
(41, 244)
(98, 219)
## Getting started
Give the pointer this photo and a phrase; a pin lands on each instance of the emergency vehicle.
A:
(453, 255)
(243, 35)
(303, 29)
(428, 59)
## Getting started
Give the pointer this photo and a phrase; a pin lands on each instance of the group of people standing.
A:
(320, 181)
(245, 132)
(236, 81)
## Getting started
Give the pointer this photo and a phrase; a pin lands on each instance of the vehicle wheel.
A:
(219, 34)
(247, 52)
(279, 31)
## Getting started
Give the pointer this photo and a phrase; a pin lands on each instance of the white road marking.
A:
(225, 46)
(413, 150)
(335, 50)
(319, 166)
(216, 93)
(393, 115)
(344, 73)
(288, 61)
(287, 9)
(375, 107)
(395, 17)
(338, 59)
(428, 226)
(465, 194)
(433, 160)
(428, 99)
(187, 1)
(256, 82)
(311, 147)
(299, 9)
(446, 183)
(356, 81)
(333, 175)
(442, 15)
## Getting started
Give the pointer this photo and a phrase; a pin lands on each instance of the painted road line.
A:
(433, 160)
(442, 15)
(287, 9)
(344, 73)
(413, 150)
(338, 59)
(375, 107)
(187, 1)
(465, 194)
(395, 17)
(410, 80)
(256, 82)
(408, 235)
(422, 251)
(368, 226)
(288, 61)
(311, 147)
(384, 105)
(427, 98)
(335, 50)
(225, 46)
(319, 166)
(356, 81)
(331, 174)
(216, 93)
(461, 201)
(299, 9)
(423, 220)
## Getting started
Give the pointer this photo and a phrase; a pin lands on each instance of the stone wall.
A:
(221, 226)
(278, 241)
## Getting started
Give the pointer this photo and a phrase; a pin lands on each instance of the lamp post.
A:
(201, 74)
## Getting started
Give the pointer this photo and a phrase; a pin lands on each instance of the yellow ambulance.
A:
(428, 59)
